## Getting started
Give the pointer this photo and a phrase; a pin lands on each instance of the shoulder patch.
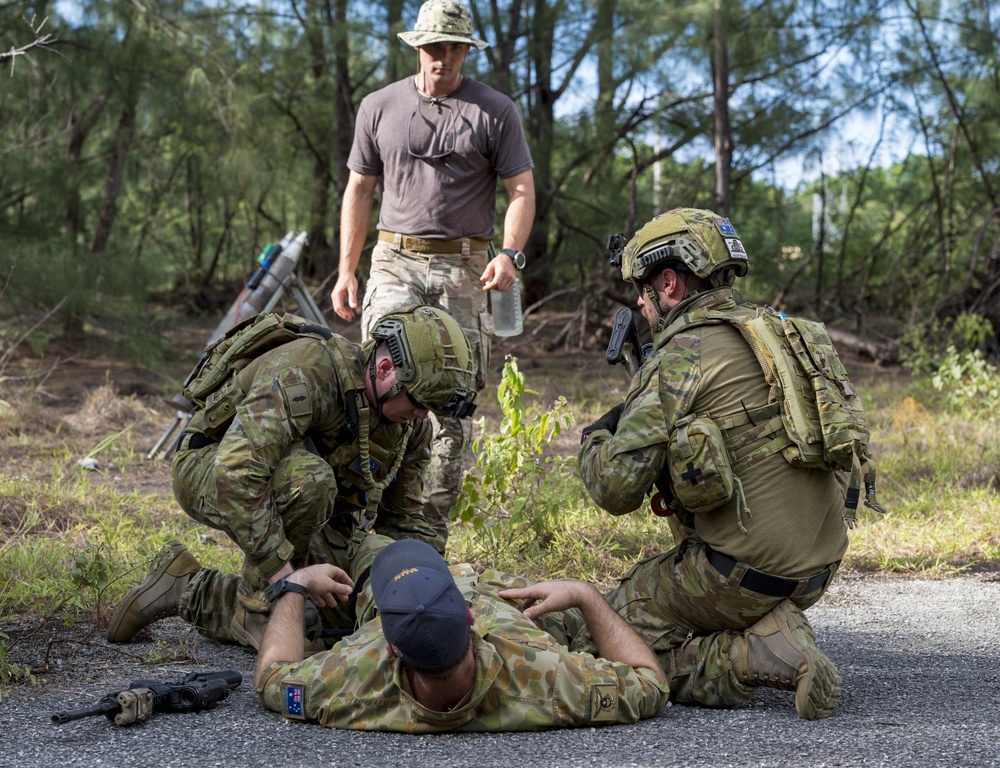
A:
(294, 702)
(603, 703)
(297, 396)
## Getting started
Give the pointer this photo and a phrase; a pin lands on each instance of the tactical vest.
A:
(216, 388)
(814, 416)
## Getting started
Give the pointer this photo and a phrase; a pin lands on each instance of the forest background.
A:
(150, 150)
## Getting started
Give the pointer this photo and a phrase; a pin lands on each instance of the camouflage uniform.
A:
(525, 679)
(784, 521)
(449, 281)
(285, 481)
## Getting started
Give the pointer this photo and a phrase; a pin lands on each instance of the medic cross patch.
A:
(603, 703)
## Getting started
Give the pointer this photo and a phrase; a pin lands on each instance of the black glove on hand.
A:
(608, 421)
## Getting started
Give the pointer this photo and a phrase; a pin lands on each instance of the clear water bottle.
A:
(505, 306)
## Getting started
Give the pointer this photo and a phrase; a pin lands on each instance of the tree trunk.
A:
(124, 135)
(344, 116)
(79, 129)
(541, 129)
(398, 58)
(722, 133)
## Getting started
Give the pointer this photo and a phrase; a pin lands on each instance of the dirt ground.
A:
(82, 394)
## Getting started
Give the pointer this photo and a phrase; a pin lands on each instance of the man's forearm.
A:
(520, 210)
(355, 216)
(283, 638)
(614, 638)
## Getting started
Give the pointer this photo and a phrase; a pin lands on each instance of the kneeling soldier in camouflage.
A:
(300, 449)
(756, 518)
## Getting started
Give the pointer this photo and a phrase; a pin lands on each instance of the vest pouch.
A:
(700, 468)
(840, 415)
(798, 406)
(220, 407)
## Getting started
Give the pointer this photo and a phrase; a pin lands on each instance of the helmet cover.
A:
(432, 357)
(700, 239)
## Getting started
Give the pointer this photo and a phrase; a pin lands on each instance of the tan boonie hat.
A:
(442, 21)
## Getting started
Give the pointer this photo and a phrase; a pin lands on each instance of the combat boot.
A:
(158, 596)
(247, 627)
(779, 651)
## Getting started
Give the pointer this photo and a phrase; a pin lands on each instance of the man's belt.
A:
(420, 245)
(764, 583)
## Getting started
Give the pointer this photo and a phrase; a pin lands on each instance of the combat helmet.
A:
(703, 241)
(432, 357)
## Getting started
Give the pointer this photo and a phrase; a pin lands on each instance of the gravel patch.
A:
(920, 660)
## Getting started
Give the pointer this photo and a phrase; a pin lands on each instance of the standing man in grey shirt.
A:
(439, 141)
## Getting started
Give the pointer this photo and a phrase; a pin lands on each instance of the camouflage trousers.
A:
(449, 281)
(212, 601)
(303, 492)
(689, 614)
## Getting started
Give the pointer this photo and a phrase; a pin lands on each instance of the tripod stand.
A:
(294, 287)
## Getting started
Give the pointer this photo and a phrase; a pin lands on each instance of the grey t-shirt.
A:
(439, 158)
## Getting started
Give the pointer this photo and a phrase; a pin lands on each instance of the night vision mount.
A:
(615, 246)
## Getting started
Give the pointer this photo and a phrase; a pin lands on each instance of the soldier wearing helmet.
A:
(700, 248)
(436, 143)
(326, 442)
(758, 540)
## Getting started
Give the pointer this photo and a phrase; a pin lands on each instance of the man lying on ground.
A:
(450, 650)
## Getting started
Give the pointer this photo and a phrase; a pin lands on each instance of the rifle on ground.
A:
(193, 692)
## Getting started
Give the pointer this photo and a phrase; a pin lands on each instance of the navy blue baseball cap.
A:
(424, 616)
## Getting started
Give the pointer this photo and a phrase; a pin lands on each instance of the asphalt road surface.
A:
(920, 661)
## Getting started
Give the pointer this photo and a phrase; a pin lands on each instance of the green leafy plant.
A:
(948, 357)
(92, 571)
(12, 674)
(924, 350)
(513, 479)
(967, 380)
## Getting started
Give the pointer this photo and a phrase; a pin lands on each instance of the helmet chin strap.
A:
(654, 300)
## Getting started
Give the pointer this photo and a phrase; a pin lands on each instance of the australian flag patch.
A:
(725, 228)
(294, 700)
(373, 465)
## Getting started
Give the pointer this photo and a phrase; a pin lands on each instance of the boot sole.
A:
(818, 691)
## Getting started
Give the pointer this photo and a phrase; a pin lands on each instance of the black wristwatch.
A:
(516, 256)
(280, 587)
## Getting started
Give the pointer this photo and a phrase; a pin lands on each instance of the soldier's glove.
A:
(608, 421)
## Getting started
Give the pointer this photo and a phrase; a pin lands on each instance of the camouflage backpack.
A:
(210, 386)
(814, 417)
